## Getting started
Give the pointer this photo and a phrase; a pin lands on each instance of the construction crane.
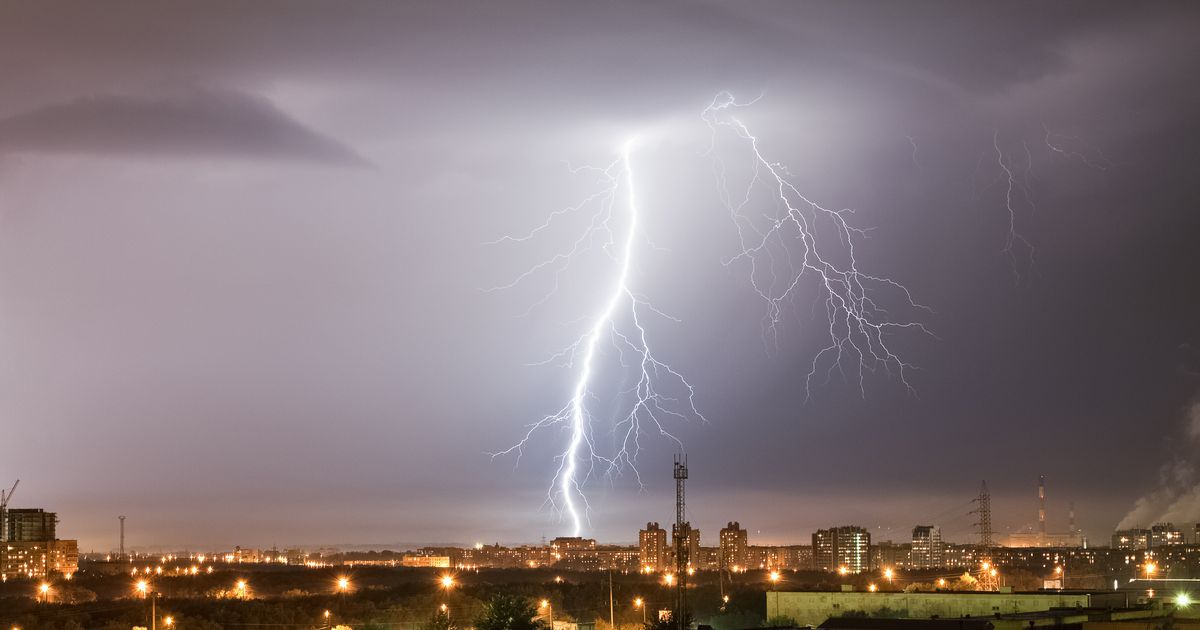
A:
(4, 497)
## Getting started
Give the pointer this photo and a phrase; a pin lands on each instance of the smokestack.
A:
(1042, 504)
(1071, 514)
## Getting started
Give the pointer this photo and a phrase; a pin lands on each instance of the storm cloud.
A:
(200, 123)
(226, 328)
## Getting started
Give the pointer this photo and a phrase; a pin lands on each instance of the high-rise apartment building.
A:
(927, 547)
(1131, 539)
(30, 524)
(846, 548)
(1165, 535)
(733, 545)
(652, 548)
(31, 548)
(692, 542)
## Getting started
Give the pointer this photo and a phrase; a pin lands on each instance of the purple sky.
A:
(242, 247)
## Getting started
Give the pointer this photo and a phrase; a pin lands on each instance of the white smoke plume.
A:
(1177, 499)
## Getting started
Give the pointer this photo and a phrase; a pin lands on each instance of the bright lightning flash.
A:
(799, 240)
(619, 323)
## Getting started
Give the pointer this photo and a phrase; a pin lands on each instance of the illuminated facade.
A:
(38, 559)
(733, 546)
(927, 547)
(1165, 535)
(847, 547)
(1131, 539)
(652, 547)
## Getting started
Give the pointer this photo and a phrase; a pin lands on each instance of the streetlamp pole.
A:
(611, 616)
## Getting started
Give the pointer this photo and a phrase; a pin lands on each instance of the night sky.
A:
(243, 254)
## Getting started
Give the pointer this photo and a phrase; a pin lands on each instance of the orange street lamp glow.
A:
(774, 577)
(872, 588)
(142, 587)
(447, 581)
(842, 570)
(444, 608)
(1151, 568)
(637, 603)
(668, 579)
(168, 621)
(888, 574)
(343, 584)
(941, 581)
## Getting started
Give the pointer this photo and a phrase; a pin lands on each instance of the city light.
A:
(168, 621)
(447, 581)
(1150, 568)
(637, 602)
(668, 579)
(888, 574)
(343, 584)
(142, 587)
(774, 577)
(1183, 600)
(941, 582)
(544, 603)
(327, 614)
(44, 591)
(444, 608)
(872, 588)
(842, 570)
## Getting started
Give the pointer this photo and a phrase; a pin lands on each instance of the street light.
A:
(668, 579)
(168, 621)
(1183, 600)
(774, 577)
(343, 584)
(142, 587)
(941, 582)
(640, 603)
(872, 588)
(545, 603)
(888, 574)
(1150, 569)
(843, 570)
(240, 585)
(44, 591)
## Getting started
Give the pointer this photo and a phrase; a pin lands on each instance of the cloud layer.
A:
(200, 123)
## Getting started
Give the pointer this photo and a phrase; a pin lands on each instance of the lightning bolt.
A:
(649, 403)
(785, 248)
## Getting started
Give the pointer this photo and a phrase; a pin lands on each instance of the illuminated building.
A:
(440, 562)
(1165, 535)
(733, 545)
(38, 558)
(926, 547)
(1131, 539)
(652, 547)
(847, 547)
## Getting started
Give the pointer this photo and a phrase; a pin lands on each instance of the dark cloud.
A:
(195, 335)
(200, 123)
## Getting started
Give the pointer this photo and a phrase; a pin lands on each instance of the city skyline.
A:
(245, 271)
